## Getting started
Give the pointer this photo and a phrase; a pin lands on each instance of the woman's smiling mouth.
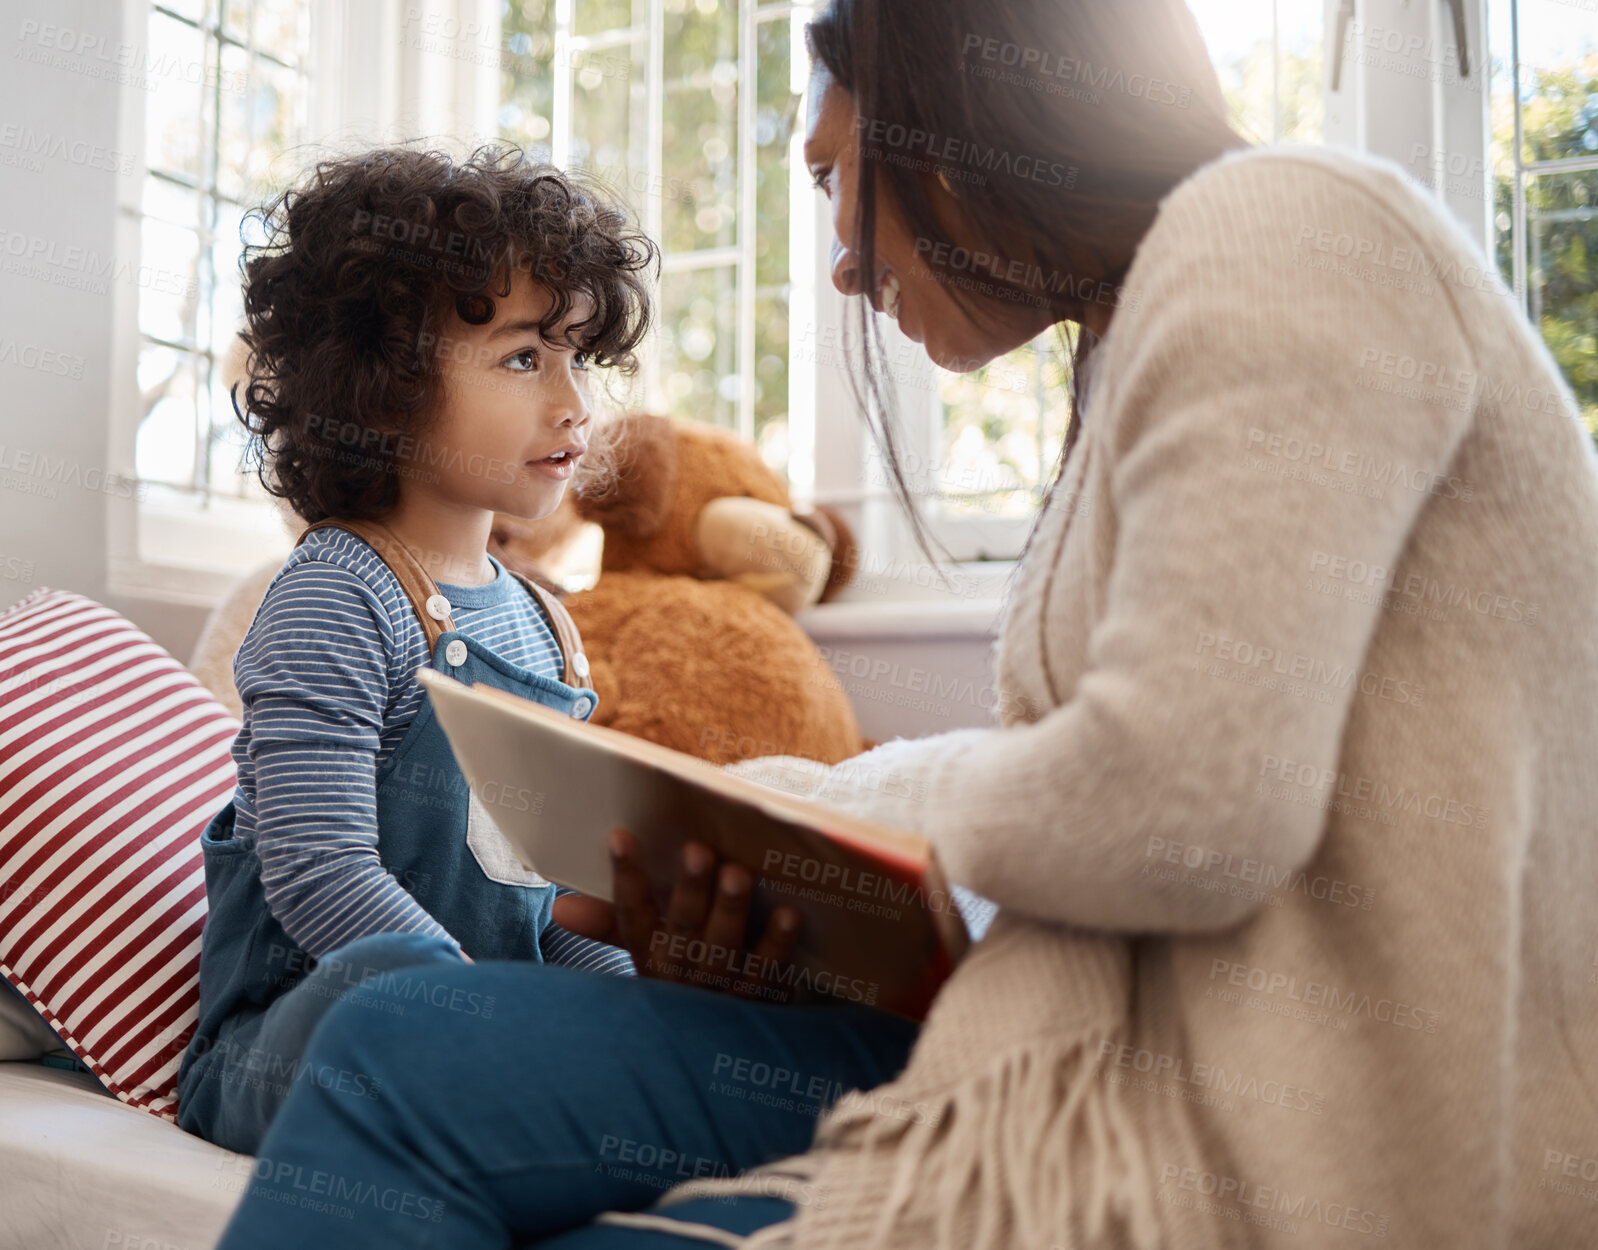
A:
(888, 294)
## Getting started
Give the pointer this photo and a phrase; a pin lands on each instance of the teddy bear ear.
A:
(835, 531)
(629, 475)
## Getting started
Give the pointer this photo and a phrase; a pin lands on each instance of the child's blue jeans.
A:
(500, 1104)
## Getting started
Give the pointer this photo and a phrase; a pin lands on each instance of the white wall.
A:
(59, 130)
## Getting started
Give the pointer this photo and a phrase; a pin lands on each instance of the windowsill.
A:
(193, 555)
(903, 618)
(231, 537)
(906, 609)
(193, 563)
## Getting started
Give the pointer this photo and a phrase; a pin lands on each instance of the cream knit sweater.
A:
(1293, 814)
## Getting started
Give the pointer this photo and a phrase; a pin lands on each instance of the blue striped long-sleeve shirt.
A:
(327, 676)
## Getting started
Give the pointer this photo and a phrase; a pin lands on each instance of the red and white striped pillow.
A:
(112, 760)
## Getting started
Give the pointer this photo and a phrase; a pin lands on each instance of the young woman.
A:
(1289, 818)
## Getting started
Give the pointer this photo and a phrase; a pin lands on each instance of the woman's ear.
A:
(628, 476)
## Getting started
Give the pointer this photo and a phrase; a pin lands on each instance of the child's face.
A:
(507, 402)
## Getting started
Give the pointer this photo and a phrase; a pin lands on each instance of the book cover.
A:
(878, 924)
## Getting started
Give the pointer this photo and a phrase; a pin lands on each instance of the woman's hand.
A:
(700, 938)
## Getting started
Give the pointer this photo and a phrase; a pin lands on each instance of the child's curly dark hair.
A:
(359, 265)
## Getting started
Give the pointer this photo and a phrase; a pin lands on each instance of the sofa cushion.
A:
(80, 1169)
(112, 760)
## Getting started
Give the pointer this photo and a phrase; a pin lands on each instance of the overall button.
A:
(455, 653)
(438, 607)
(581, 706)
(580, 664)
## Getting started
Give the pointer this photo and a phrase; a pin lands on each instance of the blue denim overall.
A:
(261, 995)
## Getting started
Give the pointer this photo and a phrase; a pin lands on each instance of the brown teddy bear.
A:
(689, 628)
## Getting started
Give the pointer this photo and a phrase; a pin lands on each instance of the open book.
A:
(879, 926)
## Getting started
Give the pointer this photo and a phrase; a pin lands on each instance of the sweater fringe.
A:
(1037, 1150)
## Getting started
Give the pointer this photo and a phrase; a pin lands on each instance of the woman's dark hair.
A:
(1057, 125)
(361, 264)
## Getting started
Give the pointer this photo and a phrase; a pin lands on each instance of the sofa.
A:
(112, 758)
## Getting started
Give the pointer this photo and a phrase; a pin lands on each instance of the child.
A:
(420, 335)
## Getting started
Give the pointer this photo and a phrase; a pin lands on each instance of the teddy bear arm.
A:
(761, 546)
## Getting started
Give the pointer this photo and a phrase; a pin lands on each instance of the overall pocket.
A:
(491, 851)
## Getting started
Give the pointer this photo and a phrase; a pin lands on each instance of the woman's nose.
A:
(845, 269)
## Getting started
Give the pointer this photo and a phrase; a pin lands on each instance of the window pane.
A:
(700, 126)
(1238, 35)
(1558, 81)
(168, 259)
(1003, 429)
(593, 17)
(700, 136)
(527, 84)
(698, 344)
(234, 144)
(175, 108)
(281, 28)
(771, 378)
(1502, 142)
(1502, 149)
(701, 39)
(608, 125)
(171, 203)
(1559, 117)
(1562, 276)
(236, 19)
(228, 436)
(165, 448)
(775, 110)
(227, 304)
(260, 127)
(156, 365)
(1303, 104)
(279, 118)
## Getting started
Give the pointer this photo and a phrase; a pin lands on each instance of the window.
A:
(1545, 176)
(1519, 168)
(216, 129)
(986, 444)
(685, 109)
(1268, 54)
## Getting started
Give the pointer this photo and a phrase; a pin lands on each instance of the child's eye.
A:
(580, 360)
(820, 181)
(529, 355)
